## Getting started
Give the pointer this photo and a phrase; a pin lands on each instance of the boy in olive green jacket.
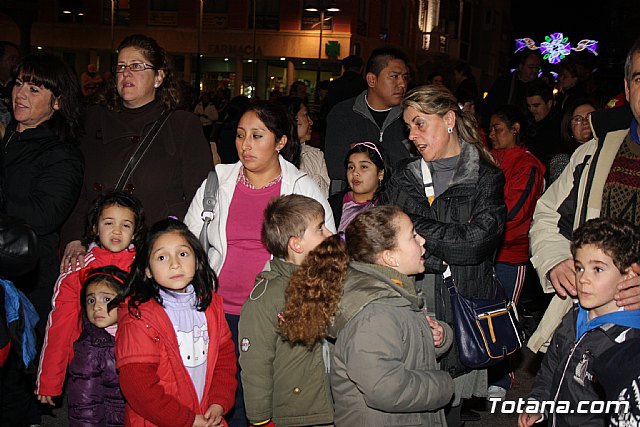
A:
(284, 384)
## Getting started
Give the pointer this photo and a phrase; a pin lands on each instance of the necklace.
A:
(377, 111)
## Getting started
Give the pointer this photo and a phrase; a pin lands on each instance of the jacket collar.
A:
(360, 106)
(630, 319)
(366, 283)
(467, 170)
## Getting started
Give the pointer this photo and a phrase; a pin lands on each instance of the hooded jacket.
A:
(462, 227)
(285, 382)
(566, 372)
(384, 370)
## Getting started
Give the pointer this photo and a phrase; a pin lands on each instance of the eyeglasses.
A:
(134, 67)
(578, 120)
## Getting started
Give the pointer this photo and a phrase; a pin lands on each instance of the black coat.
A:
(42, 177)
(463, 228)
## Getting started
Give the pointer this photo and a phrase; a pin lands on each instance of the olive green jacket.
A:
(288, 383)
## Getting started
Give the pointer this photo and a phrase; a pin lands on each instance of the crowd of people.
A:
(312, 291)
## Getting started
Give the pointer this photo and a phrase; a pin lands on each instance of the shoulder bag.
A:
(208, 205)
(142, 150)
(487, 330)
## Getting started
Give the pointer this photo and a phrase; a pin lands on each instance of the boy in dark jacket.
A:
(603, 250)
(284, 384)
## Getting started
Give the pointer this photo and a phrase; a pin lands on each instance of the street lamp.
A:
(322, 8)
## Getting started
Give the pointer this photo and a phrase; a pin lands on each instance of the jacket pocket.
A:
(402, 420)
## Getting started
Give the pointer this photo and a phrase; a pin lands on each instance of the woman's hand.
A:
(46, 399)
(214, 415)
(438, 332)
(74, 253)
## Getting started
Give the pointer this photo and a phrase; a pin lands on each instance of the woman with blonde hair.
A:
(453, 195)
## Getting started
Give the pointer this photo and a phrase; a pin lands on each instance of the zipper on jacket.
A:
(564, 371)
(381, 134)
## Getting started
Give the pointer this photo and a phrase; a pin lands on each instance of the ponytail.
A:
(313, 293)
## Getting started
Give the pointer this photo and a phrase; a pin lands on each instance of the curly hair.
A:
(142, 288)
(51, 72)
(316, 286)
(434, 99)
(313, 293)
(169, 92)
(616, 237)
(114, 198)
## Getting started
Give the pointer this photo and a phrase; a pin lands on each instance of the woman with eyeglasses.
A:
(138, 109)
(575, 130)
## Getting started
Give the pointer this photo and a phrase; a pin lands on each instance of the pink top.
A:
(246, 255)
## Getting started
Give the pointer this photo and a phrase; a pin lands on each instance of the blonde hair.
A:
(434, 99)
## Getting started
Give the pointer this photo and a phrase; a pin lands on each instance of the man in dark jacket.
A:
(350, 84)
(375, 115)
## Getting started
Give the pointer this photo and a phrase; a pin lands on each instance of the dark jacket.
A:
(347, 86)
(351, 121)
(93, 389)
(166, 178)
(384, 370)
(566, 372)
(42, 178)
(463, 228)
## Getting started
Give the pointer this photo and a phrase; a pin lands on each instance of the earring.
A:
(397, 263)
(156, 85)
(449, 130)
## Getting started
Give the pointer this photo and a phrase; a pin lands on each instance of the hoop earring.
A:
(449, 130)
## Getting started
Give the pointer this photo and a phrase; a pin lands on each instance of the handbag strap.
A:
(448, 281)
(142, 150)
(208, 205)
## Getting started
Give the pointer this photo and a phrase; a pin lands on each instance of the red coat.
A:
(524, 184)
(64, 324)
(154, 381)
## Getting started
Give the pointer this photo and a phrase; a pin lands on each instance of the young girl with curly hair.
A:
(284, 384)
(384, 369)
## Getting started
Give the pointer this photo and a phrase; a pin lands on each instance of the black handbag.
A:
(18, 247)
(487, 330)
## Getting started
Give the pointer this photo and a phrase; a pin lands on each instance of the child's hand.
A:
(214, 415)
(526, 420)
(438, 332)
(46, 399)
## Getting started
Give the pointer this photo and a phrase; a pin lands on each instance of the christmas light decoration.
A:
(556, 46)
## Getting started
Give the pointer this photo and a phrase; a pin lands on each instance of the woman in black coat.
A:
(42, 171)
(453, 195)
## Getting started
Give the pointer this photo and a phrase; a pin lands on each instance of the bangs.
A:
(39, 74)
